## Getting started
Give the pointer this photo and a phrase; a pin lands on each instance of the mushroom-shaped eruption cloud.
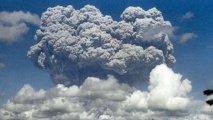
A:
(75, 44)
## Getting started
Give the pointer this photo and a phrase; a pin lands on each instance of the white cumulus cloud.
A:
(13, 25)
(106, 99)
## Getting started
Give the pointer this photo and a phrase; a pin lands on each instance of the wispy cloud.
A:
(13, 25)
(210, 47)
(187, 36)
(2, 65)
(187, 15)
(2, 55)
(2, 95)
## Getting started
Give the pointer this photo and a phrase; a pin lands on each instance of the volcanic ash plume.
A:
(75, 44)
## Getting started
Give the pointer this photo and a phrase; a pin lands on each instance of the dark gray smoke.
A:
(75, 44)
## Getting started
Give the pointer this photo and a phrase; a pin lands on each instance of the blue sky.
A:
(194, 57)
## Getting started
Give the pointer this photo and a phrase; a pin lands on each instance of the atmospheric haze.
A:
(95, 61)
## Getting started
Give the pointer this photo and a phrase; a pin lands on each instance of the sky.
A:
(190, 33)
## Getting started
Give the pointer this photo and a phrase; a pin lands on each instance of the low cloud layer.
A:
(75, 44)
(166, 98)
(13, 25)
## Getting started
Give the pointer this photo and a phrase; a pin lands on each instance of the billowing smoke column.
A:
(75, 44)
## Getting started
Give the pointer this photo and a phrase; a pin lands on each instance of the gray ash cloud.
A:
(75, 44)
